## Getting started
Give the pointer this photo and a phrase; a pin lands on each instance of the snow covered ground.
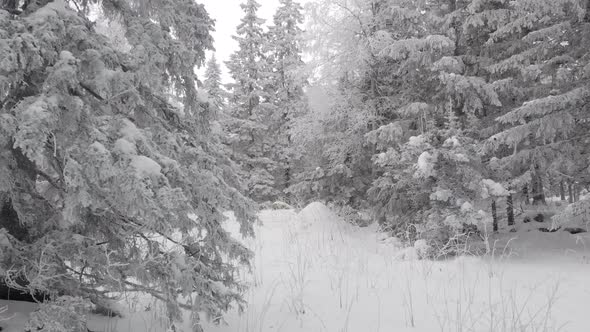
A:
(314, 272)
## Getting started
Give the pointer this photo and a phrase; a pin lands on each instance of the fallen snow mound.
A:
(317, 213)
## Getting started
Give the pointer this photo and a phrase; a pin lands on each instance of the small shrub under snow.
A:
(278, 205)
(65, 313)
(423, 249)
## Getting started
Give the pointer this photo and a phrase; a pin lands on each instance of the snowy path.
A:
(316, 273)
(313, 272)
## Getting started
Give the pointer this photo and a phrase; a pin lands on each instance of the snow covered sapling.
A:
(65, 313)
(212, 84)
(435, 189)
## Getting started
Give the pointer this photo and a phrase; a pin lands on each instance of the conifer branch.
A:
(89, 90)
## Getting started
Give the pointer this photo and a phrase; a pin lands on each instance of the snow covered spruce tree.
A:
(430, 179)
(212, 84)
(543, 135)
(284, 88)
(251, 137)
(106, 184)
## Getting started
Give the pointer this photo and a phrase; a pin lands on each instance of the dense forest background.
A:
(420, 114)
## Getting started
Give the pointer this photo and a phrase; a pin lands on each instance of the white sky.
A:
(227, 15)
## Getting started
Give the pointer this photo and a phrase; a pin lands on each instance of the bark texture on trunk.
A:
(525, 191)
(538, 192)
(509, 210)
(494, 217)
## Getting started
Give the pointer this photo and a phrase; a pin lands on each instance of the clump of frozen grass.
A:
(254, 320)
(583, 257)
(266, 305)
(461, 304)
(347, 320)
(3, 310)
(457, 299)
(296, 281)
(408, 299)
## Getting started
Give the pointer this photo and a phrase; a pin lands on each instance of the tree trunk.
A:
(510, 210)
(10, 222)
(571, 192)
(288, 175)
(538, 192)
(561, 190)
(494, 217)
(577, 192)
(422, 126)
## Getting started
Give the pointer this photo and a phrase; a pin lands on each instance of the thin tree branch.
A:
(89, 90)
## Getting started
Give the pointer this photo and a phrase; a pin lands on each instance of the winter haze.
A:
(343, 166)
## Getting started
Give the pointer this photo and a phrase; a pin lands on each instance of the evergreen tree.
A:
(245, 64)
(251, 137)
(286, 81)
(542, 135)
(106, 183)
(212, 84)
(431, 176)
